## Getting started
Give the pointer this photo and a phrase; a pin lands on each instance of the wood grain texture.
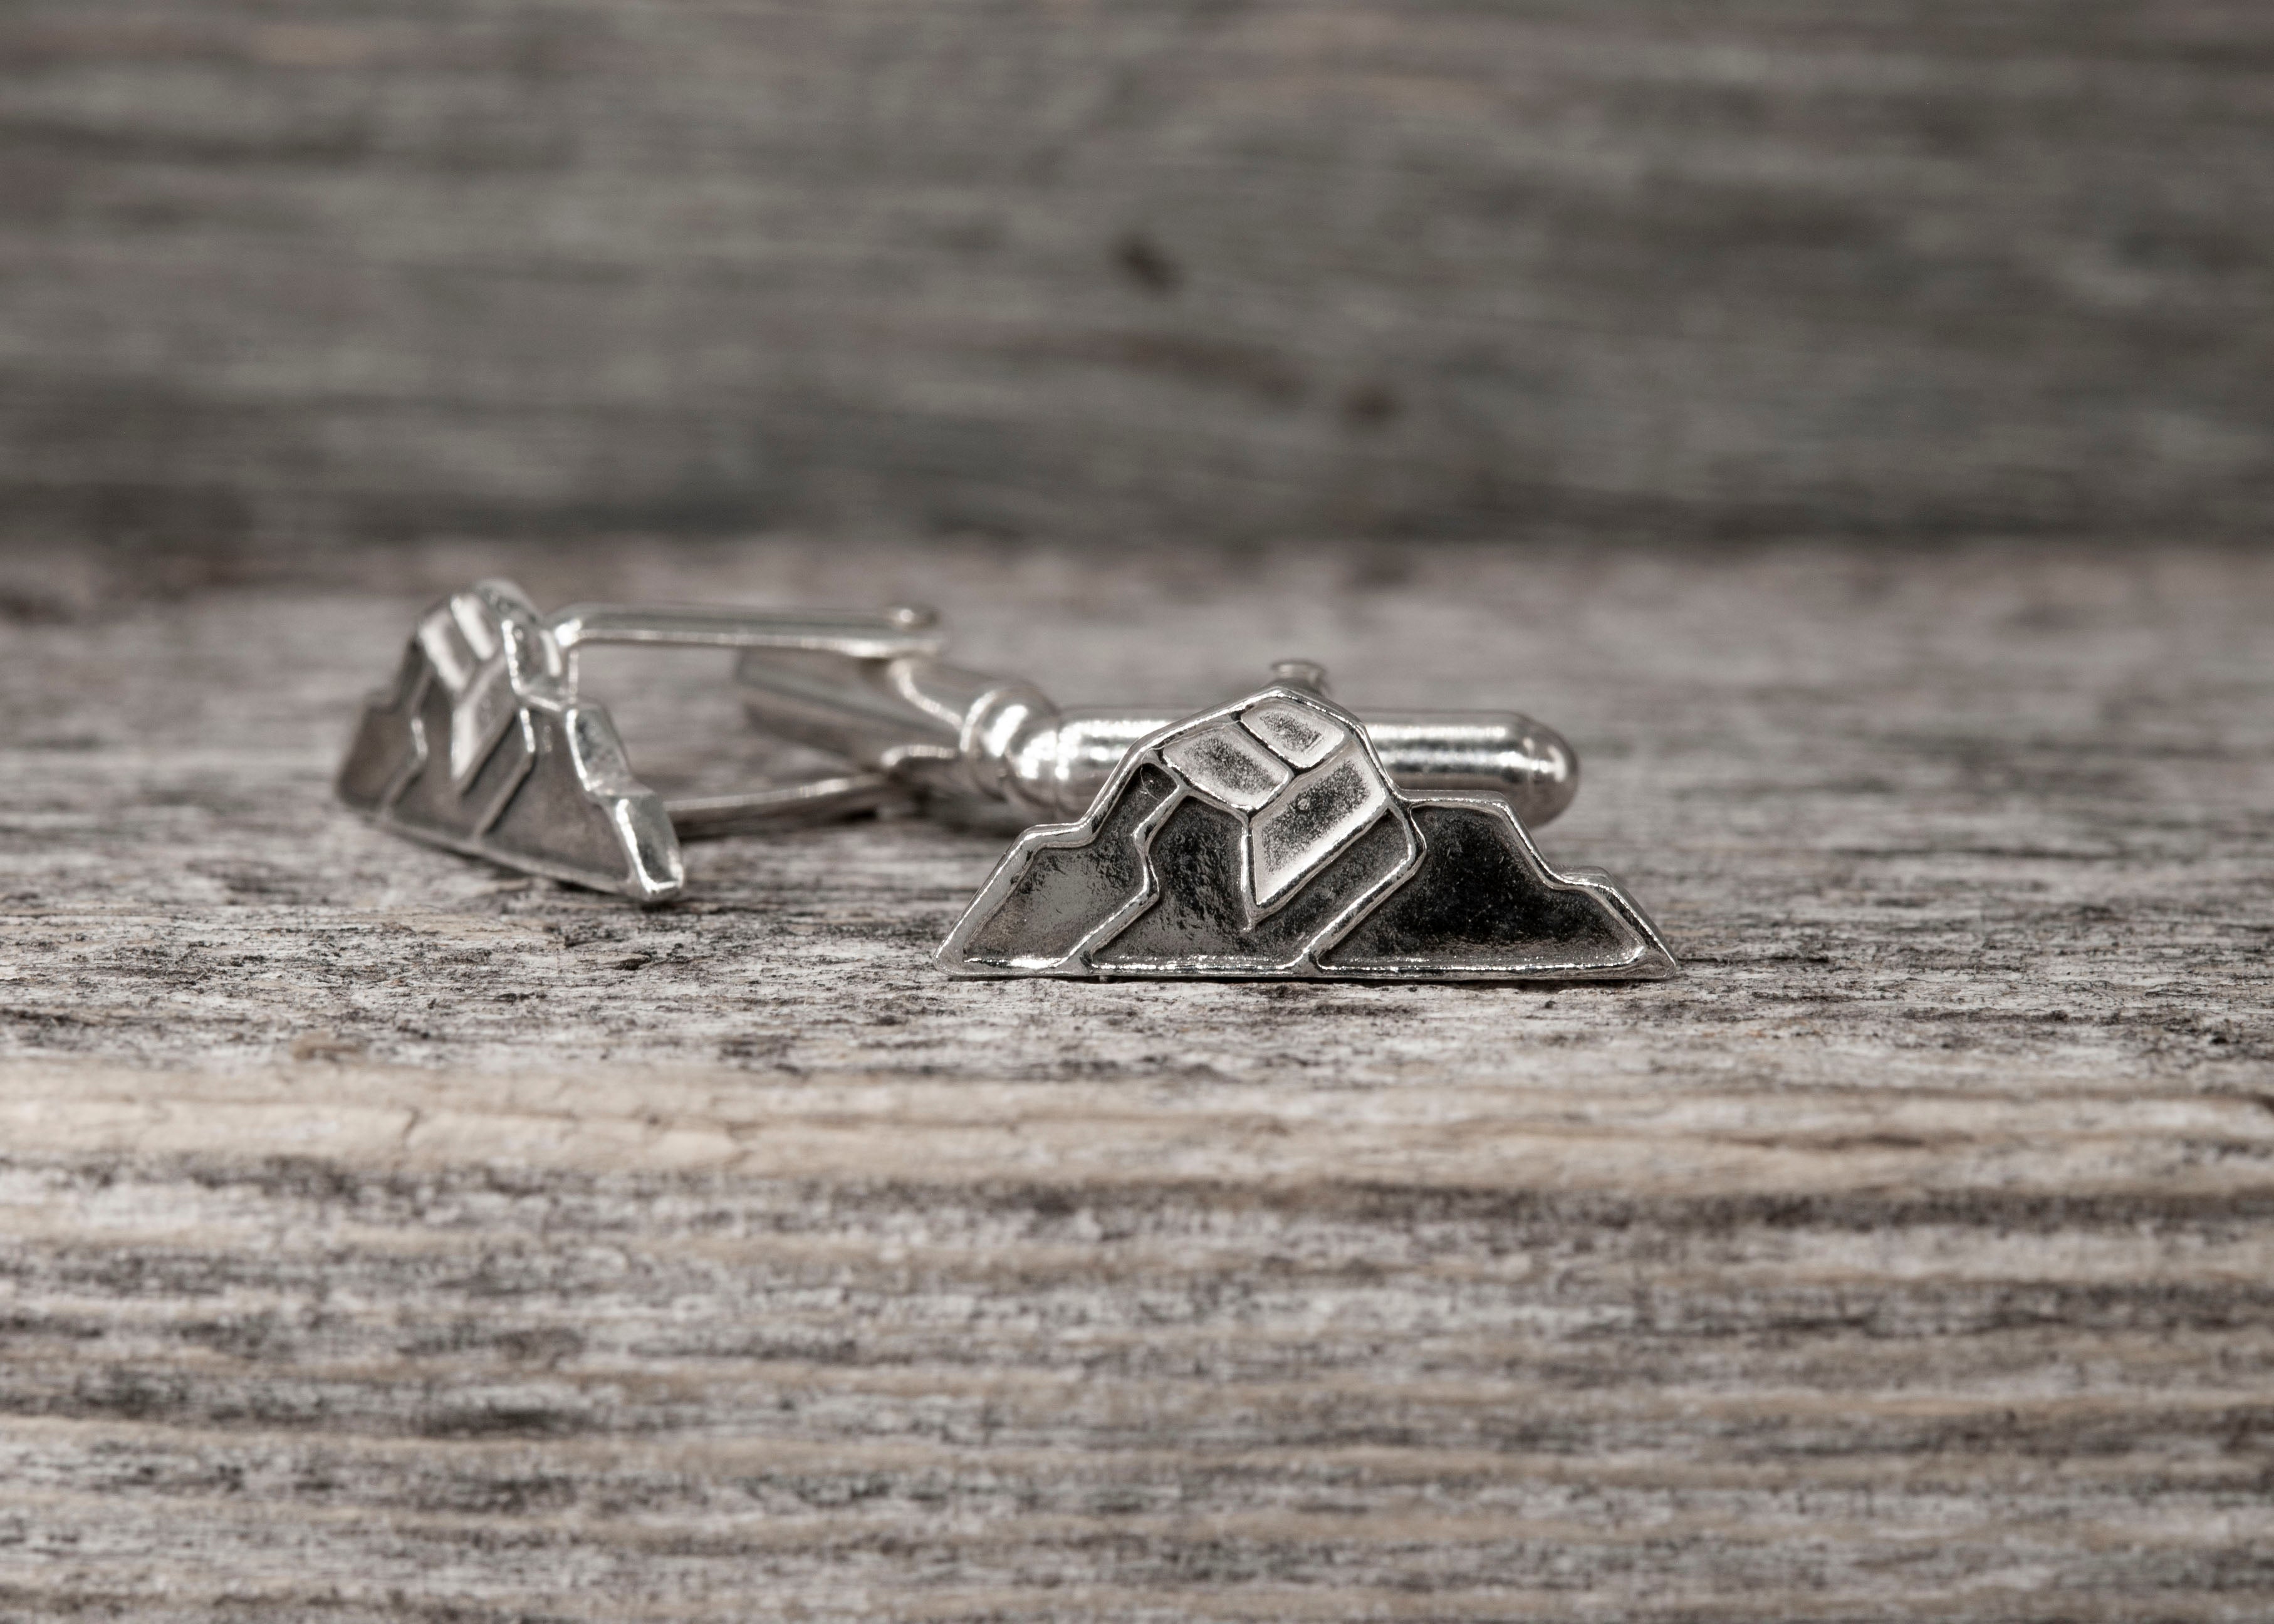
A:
(384, 1237)
(289, 272)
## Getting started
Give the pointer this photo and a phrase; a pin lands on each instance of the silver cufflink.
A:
(1280, 836)
(483, 746)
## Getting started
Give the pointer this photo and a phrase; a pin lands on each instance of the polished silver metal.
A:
(1267, 839)
(483, 746)
(955, 732)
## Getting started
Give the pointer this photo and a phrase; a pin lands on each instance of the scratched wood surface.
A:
(304, 271)
(386, 1236)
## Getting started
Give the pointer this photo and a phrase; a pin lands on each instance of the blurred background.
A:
(284, 283)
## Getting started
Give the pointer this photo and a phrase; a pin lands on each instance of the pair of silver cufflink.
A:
(1277, 837)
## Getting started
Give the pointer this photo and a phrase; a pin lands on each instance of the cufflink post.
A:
(950, 730)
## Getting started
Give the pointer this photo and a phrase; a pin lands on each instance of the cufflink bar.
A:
(948, 730)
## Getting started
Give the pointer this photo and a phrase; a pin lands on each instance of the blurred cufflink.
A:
(483, 745)
(1267, 838)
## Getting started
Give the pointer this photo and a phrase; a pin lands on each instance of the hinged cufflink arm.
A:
(862, 635)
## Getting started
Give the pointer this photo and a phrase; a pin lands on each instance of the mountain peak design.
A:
(1262, 838)
(482, 746)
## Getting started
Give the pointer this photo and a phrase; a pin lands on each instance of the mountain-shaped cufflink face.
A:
(481, 746)
(1264, 839)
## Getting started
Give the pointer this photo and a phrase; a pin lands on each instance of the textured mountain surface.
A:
(384, 1237)
(480, 745)
(1266, 840)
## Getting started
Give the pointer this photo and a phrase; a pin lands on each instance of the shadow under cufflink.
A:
(1264, 839)
(483, 745)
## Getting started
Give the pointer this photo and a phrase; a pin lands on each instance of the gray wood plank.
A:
(387, 1237)
(280, 275)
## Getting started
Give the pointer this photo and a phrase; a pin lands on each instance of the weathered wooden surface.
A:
(291, 270)
(388, 1237)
